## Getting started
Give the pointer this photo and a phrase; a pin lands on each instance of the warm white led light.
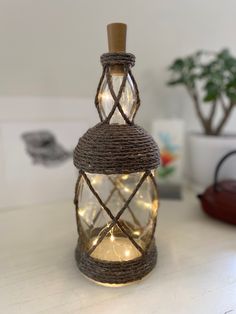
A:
(126, 189)
(125, 177)
(95, 241)
(127, 253)
(112, 238)
(136, 232)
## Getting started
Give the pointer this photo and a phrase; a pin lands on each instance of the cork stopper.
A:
(116, 33)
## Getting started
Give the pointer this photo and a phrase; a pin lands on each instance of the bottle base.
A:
(116, 274)
(113, 285)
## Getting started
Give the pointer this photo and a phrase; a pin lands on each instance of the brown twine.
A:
(112, 148)
(115, 219)
(115, 189)
(116, 272)
(124, 200)
(115, 149)
(127, 60)
(118, 97)
(116, 58)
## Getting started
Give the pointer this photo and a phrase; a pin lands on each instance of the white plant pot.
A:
(204, 152)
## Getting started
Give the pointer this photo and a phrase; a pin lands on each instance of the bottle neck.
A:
(127, 99)
(117, 69)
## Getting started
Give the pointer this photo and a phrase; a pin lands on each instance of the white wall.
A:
(52, 47)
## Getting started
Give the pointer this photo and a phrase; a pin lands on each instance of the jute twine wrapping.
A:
(112, 148)
(115, 149)
(126, 59)
(108, 60)
(116, 272)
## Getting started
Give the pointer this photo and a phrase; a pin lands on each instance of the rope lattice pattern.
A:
(114, 219)
(116, 149)
(127, 60)
(100, 270)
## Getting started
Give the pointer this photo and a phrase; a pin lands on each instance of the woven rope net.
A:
(115, 149)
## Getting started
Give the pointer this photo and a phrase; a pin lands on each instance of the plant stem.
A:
(224, 118)
(223, 103)
(206, 123)
(212, 113)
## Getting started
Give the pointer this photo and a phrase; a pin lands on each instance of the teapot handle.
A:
(222, 160)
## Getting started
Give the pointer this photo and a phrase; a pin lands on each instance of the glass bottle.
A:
(114, 190)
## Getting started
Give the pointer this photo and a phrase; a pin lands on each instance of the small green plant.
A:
(212, 75)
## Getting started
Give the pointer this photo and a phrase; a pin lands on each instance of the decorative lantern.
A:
(116, 197)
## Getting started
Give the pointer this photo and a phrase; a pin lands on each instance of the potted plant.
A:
(208, 78)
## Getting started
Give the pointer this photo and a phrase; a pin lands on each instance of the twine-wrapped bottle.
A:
(116, 194)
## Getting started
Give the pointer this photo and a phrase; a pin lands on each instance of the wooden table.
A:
(196, 270)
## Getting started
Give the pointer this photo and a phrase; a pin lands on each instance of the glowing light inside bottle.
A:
(114, 191)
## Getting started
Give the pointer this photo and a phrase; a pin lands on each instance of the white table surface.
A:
(196, 270)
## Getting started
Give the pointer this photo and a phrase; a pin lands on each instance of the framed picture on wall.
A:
(169, 134)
